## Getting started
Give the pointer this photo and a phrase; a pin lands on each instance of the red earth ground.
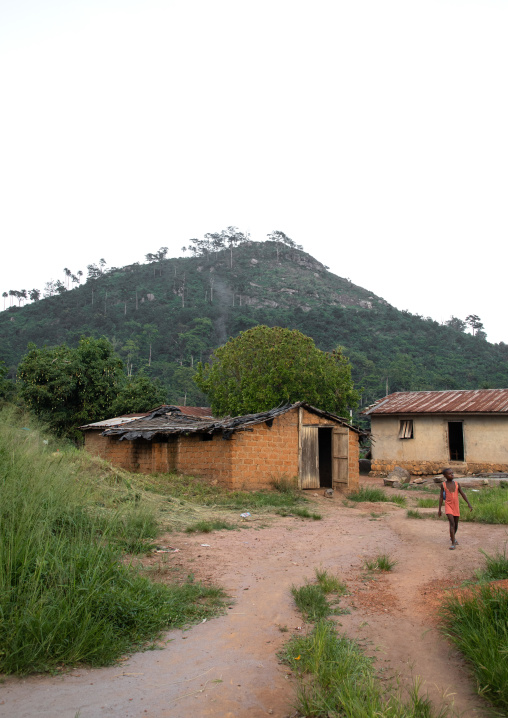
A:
(228, 667)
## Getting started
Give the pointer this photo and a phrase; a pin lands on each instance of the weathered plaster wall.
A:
(485, 444)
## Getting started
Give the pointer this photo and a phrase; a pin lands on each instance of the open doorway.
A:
(456, 441)
(325, 457)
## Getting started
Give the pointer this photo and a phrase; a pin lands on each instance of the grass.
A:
(496, 566)
(330, 584)
(478, 625)
(207, 527)
(372, 494)
(335, 678)
(414, 514)
(65, 594)
(333, 675)
(490, 506)
(311, 598)
(427, 503)
(305, 514)
(383, 562)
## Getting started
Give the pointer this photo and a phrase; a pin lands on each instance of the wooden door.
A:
(309, 466)
(340, 455)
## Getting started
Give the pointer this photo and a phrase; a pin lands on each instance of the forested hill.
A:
(166, 315)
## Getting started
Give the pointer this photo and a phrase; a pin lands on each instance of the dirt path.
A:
(228, 667)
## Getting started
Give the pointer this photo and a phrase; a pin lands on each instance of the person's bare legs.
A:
(453, 522)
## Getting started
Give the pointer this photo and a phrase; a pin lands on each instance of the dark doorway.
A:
(456, 441)
(325, 457)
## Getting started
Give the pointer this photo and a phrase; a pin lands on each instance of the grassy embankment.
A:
(67, 521)
(333, 675)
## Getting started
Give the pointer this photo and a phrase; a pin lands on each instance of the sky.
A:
(372, 133)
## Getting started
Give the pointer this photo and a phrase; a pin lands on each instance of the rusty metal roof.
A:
(195, 411)
(162, 422)
(476, 401)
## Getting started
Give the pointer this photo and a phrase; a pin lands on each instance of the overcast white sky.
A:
(373, 133)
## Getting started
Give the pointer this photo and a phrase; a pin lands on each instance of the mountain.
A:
(168, 314)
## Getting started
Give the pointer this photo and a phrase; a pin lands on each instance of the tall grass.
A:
(65, 597)
(478, 625)
(496, 567)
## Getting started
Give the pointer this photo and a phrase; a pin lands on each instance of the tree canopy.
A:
(70, 387)
(265, 366)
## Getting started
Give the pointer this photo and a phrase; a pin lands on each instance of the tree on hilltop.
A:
(265, 366)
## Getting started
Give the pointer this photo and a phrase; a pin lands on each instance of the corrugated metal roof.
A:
(477, 401)
(165, 423)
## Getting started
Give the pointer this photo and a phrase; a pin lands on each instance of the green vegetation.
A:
(414, 514)
(305, 514)
(334, 677)
(496, 566)
(197, 492)
(383, 562)
(490, 506)
(372, 494)
(207, 527)
(330, 584)
(427, 503)
(265, 367)
(70, 387)
(311, 601)
(478, 625)
(219, 292)
(65, 595)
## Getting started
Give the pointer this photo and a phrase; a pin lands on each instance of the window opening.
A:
(406, 429)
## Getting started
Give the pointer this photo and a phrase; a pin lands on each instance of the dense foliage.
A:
(264, 367)
(70, 387)
(167, 315)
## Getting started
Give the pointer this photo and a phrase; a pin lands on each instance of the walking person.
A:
(450, 491)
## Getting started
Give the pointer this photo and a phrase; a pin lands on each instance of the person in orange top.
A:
(450, 492)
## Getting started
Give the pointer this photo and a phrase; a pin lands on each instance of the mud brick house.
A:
(423, 431)
(244, 452)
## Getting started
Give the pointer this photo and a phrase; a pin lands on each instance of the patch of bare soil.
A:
(228, 667)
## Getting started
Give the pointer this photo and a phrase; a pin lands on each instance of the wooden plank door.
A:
(340, 455)
(309, 466)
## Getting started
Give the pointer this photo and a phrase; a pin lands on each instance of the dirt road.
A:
(228, 667)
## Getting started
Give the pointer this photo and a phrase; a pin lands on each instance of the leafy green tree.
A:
(7, 388)
(456, 323)
(69, 387)
(265, 366)
(475, 323)
(139, 393)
